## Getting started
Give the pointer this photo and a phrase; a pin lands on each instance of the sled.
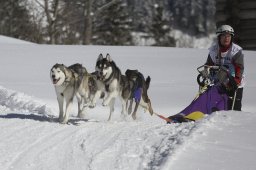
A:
(211, 96)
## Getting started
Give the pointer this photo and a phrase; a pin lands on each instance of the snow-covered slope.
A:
(32, 139)
(9, 40)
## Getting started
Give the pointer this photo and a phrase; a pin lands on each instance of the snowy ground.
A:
(32, 139)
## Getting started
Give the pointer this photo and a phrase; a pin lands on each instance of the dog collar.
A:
(109, 78)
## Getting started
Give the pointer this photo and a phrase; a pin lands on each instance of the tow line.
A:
(168, 120)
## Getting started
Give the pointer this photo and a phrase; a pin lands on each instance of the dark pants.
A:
(238, 100)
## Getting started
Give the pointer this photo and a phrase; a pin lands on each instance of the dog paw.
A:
(129, 111)
(65, 121)
(105, 103)
(92, 105)
(134, 116)
(81, 115)
(87, 102)
(151, 111)
(60, 119)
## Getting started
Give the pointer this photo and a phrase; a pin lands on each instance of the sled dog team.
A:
(107, 83)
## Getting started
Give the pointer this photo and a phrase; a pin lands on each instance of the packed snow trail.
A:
(92, 145)
(39, 142)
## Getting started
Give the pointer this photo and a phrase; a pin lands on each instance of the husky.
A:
(114, 83)
(70, 82)
(139, 87)
(97, 89)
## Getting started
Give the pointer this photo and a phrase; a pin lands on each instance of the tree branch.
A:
(41, 5)
(105, 6)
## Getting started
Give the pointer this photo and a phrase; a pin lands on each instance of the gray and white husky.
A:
(114, 83)
(70, 82)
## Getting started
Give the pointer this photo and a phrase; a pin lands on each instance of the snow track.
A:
(34, 139)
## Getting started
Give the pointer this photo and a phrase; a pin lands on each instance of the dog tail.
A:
(148, 82)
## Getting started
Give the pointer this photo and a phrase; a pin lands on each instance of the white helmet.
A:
(225, 29)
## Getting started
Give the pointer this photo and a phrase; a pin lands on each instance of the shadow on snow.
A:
(41, 118)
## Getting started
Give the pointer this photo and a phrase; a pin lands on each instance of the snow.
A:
(181, 40)
(9, 40)
(227, 140)
(32, 139)
(185, 40)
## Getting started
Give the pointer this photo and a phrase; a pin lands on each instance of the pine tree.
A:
(160, 28)
(113, 26)
(71, 20)
(194, 17)
(15, 21)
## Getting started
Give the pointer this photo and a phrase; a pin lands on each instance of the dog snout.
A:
(100, 73)
(53, 76)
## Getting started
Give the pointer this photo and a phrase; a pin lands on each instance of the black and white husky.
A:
(139, 87)
(115, 84)
(69, 82)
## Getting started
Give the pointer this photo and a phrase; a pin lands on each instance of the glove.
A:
(232, 83)
(231, 86)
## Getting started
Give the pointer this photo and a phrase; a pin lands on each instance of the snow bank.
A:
(21, 102)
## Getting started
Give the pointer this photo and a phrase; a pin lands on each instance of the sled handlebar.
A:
(204, 77)
(207, 67)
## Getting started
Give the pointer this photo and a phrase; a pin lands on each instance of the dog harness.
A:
(137, 94)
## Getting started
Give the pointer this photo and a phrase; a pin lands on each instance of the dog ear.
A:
(127, 72)
(100, 57)
(108, 57)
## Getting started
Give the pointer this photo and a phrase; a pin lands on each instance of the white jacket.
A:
(233, 57)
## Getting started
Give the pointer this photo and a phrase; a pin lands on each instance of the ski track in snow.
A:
(36, 137)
